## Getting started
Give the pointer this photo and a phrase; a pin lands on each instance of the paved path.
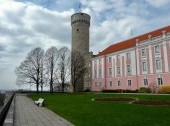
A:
(28, 114)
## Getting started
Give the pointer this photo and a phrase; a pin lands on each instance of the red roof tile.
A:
(132, 42)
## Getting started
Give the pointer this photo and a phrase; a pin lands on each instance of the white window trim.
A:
(128, 83)
(144, 52)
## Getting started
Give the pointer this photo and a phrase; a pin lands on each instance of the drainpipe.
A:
(105, 71)
(136, 65)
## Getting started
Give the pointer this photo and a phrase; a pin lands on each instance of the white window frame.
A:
(128, 67)
(110, 71)
(110, 83)
(110, 59)
(95, 73)
(128, 56)
(96, 84)
(160, 81)
(145, 82)
(144, 67)
(118, 83)
(100, 84)
(118, 57)
(99, 61)
(157, 49)
(118, 71)
(129, 84)
(143, 52)
(158, 64)
(100, 73)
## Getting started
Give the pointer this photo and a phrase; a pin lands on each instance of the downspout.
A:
(136, 65)
(105, 70)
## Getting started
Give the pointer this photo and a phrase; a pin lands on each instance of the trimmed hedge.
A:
(144, 90)
(2, 98)
(119, 91)
(165, 89)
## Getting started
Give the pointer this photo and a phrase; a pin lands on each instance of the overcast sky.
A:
(26, 24)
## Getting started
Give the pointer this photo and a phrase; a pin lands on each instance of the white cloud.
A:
(24, 26)
(113, 31)
(158, 3)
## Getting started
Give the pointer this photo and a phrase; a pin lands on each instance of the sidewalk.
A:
(28, 114)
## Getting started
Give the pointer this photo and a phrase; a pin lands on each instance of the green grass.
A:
(81, 111)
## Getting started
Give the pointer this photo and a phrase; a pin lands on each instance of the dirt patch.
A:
(115, 99)
(154, 103)
(135, 101)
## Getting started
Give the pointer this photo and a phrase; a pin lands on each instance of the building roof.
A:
(132, 42)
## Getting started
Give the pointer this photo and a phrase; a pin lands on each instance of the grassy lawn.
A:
(81, 111)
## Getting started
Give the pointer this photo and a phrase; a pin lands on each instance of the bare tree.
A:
(29, 71)
(78, 70)
(51, 57)
(63, 66)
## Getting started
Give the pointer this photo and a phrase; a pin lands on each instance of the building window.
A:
(160, 81)
(100, 73)
(118, 57)
(129, 68)
(118, 70)
(118, 83)
(99, 61)
(95, 73)
(100, 84)
(143, 52)
(96, 84)
(128, 56)
(157, 49)
(144, 65)
(110, 83)
(110, 59)
(145, 82)
(158, 64)
(110, 71)
(129, 82)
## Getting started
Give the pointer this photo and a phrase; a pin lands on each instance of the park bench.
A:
(39, 102)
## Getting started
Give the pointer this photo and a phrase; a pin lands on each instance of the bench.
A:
(39, 102)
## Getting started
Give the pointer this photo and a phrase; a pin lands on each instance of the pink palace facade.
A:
(134, 63)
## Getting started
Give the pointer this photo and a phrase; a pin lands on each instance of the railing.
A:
(5, 108)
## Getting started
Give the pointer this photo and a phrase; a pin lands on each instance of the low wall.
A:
(6, 110)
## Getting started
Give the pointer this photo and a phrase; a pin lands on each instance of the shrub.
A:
(2, 98)
(87, 90)
(119, 91)
(165, 89)
(154, 88)
(112, 91)
(144, 90)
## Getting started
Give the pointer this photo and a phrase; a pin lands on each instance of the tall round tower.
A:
(80, 23)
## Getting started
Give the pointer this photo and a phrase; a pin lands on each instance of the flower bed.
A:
(115, 99)
(157, 103)
(134, 101)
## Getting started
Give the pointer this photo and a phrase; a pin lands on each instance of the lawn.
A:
(80, 110)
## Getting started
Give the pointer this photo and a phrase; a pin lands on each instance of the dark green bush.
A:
(119, 91)
(144, 90)
(87, 90)
(2, 98)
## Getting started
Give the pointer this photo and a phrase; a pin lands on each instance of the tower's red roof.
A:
(132, 42)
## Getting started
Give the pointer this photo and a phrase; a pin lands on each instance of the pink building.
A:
(134, 63)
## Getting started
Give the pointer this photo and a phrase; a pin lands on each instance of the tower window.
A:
(77, 29)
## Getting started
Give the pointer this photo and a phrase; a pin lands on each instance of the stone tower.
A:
(80, 23)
